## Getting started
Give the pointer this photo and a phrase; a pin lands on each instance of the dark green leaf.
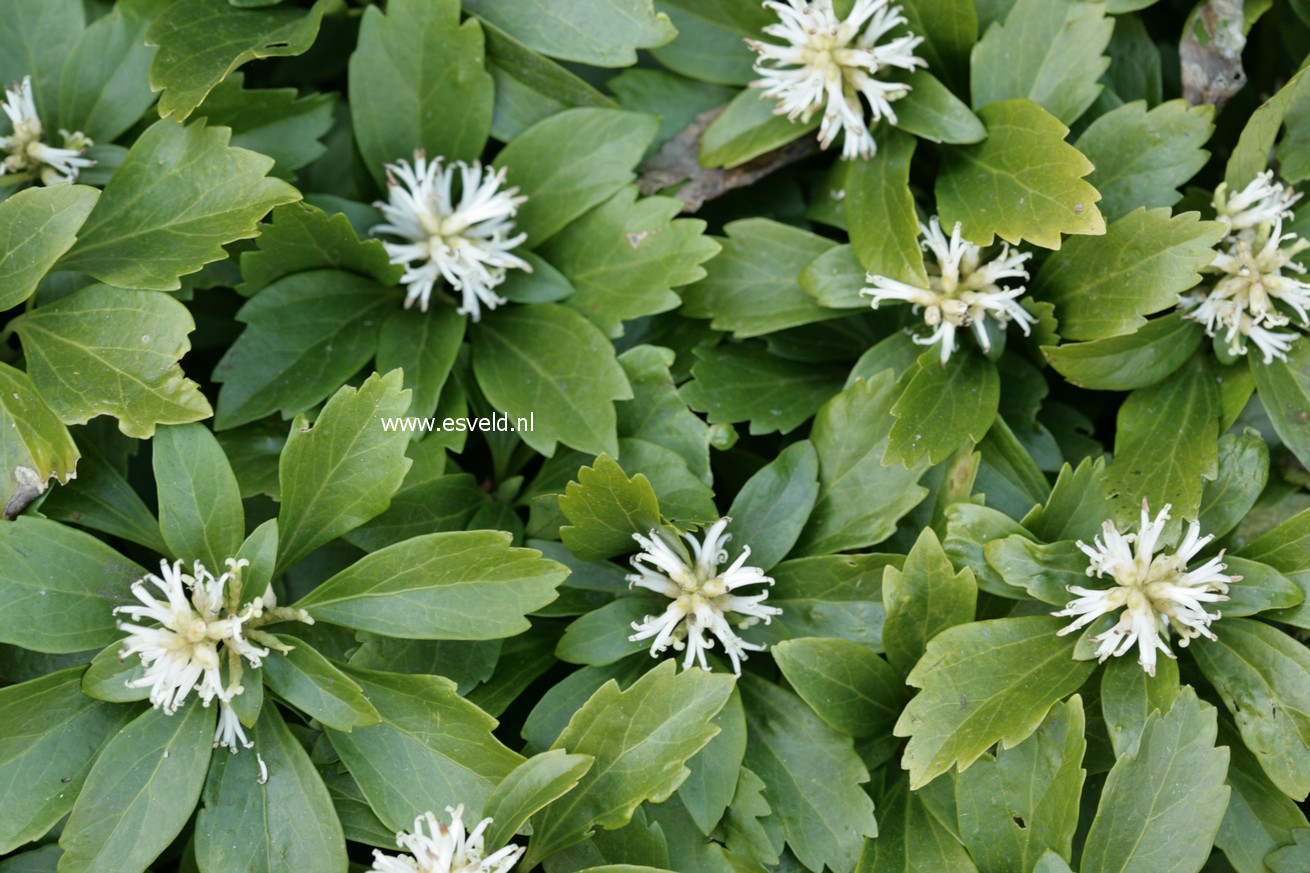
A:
(922, 599)
(943, 407)
(200, 512)
(140, 792)
(270, 813)
(50, 732)
(773, 506)
(612, 32)
(37, 226)
(529, 788)
(311, 683)
(848, 686)
(427, 87)
(1121, 363)
(201, 41)
(735, 383)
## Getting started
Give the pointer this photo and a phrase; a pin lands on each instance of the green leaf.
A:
(429, 90)
(850, 434)
(751, 286)
(1135, 360)
(949, 29)
(35, 38)
(200, 512)
(101, 499)
(880, 212)
(969, 529)
(1243, 473)
(548, 360)
(1049, 51)
(140, 792)
(1129, 696)
(812, 777)
(313, 684)
(531, 786)
(59, 586)
(530, 88)
(1044, 570)
(771, 508)
(625, 256)
(50, 732)
(943, 407)
(748, 127)
(1078, 505)
(1284, 387)
(202, 195)
(922, 599)
(447, 742)
(201, 41)
(684, 499)
(605, 508)
(37, 225)
(657, 414)
(603, 33)
(1259, 817)
(911, 838)
(710, 45)
(1262, 589)
(641, 739)
(1141, 157)
(424, 345)
(105, 85)
(835, 279)
(1017, 804)
(260, 823)
(1261, 675)
(981, 683)
(571, 162)
(675, 99)
(425, 506)
(849, 687)
(830, 596)
(273, 121)
(107, 351)
(1171, 783)
(107, 675)
(1166, 442)
(459, 585)
(306, 334)
(1286, 548)
(716, 769)
(603, 636)
(1104, 286)
(932, 112)
(1251, 154)
(735, 383)
(1022, 182)
(35, 447)
(342, 471)
(303, 237)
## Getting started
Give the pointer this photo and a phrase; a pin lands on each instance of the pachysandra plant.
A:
(838, 436)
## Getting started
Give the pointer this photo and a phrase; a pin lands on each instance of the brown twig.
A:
(678, 161)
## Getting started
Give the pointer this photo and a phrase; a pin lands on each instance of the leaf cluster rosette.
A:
(634, 436)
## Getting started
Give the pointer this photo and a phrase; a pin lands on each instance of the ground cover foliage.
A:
(963, 342)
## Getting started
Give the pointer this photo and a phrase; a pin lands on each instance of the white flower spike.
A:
(703, 597)
(198, 629)
(962, 290)
(27, 153)
(445, 849)
(1157, 592)
(1255, 271)
(826, 63)
(468, 243)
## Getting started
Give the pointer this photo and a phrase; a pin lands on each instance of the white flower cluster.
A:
(1156, 591)
(702, 596)
(1252, 271)
(26, 151)
(826, 63)
(468, 242)
(962, 289)
(198, 629)
(445, 849)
